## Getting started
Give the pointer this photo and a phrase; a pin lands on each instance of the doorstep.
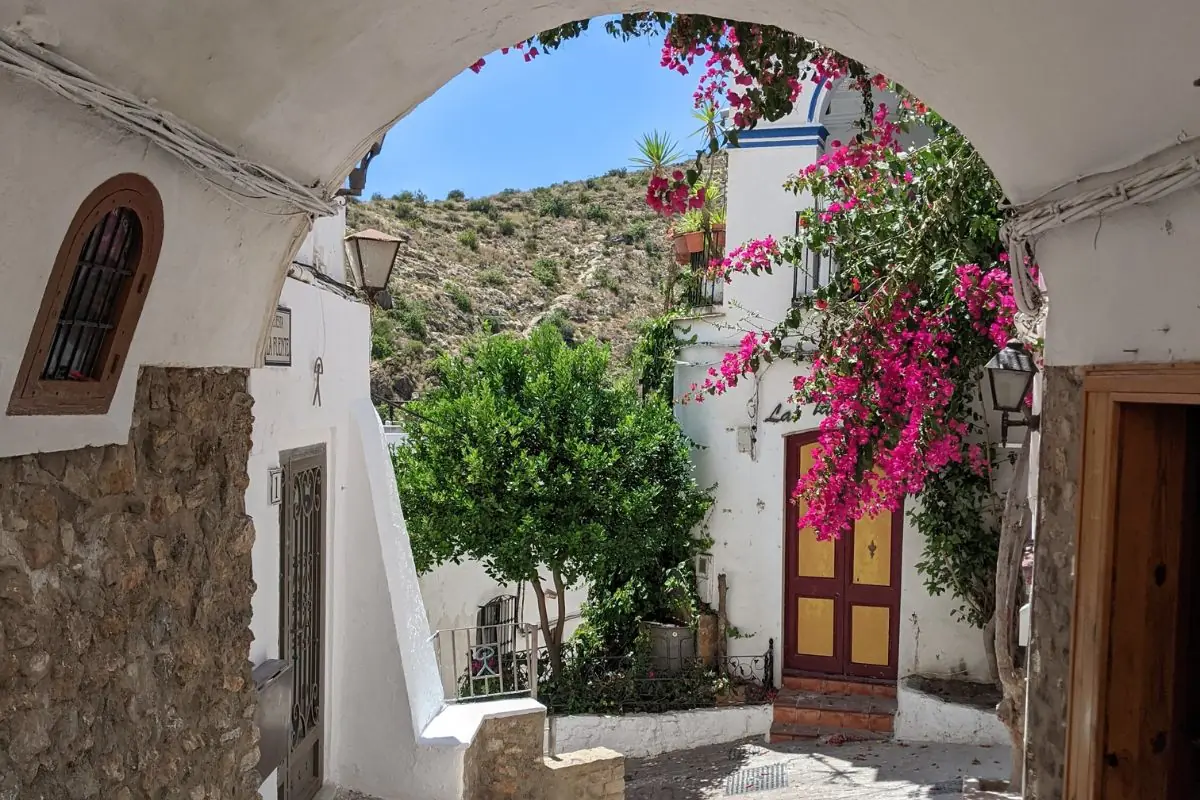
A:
(812, 708)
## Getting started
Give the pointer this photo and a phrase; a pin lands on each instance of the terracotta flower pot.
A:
(688, 243)
(718, 235)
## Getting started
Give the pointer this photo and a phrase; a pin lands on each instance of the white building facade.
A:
(783, 585)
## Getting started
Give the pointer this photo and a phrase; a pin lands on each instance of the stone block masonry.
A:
(1053, 582)
(125, 588)
(505, 762)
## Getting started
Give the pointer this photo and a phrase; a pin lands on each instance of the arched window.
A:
(92, 302)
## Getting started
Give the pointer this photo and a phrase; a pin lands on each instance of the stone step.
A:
(784, 732)
(856, 712)
(839, 686)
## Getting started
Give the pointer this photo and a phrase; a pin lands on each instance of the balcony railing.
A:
(699, 290)
(488, 660)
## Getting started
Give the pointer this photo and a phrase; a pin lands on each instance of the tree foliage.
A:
(531, 459)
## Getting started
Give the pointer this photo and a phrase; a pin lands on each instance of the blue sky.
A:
(566, 115)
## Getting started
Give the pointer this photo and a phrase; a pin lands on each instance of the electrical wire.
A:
(208, 158)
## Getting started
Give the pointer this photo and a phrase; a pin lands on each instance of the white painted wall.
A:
(922, 717)
(218, 271)
(642, 735)
(388, 692)
(932, 642)
(1124, 288)
(324, 247)
(336, 330)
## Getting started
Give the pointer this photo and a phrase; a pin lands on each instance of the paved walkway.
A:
(811, 771)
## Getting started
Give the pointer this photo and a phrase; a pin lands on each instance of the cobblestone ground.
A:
(804, 770)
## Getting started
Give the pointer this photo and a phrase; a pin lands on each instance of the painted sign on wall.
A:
(780, 414)
(279, 339)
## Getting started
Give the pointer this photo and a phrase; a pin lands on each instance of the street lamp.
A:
(1010, 376)
(372, 256)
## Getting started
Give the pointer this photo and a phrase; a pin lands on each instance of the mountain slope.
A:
(588, 254)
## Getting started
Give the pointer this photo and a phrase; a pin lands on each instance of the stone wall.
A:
(125, 593)
(505, 762)
(1053, 582)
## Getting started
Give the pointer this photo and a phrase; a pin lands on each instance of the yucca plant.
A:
(657, 152)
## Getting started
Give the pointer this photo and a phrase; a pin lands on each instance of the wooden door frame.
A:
(787, 607)
(843, 567)
(1105, 388)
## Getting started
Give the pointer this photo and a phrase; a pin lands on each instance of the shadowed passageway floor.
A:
(802, 770)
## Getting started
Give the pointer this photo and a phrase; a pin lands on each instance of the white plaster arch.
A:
(1028, 81)
(306, 87)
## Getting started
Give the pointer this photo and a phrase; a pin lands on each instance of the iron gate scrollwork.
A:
(302, 584)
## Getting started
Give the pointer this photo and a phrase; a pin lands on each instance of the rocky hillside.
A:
(589, 255)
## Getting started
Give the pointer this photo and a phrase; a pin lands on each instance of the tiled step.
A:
(836, 686)
(783, 732)
(849, 712)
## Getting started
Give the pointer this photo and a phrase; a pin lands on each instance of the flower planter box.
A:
(688, 243)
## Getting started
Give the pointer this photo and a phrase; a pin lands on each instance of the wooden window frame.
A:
(33, 395)
(1105, 389)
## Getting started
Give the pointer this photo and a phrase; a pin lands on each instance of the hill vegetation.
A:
(588, 255)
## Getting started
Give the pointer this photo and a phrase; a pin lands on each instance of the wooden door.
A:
(302, 585)
(1185, 730)
(841, 597)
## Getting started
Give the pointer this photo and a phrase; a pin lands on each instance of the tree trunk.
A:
(989, 648)
(562, 611)
(552, 647)
(1013, 533)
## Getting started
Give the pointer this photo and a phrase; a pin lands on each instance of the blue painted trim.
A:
(782, 143)
(812, 104)
(795, 131)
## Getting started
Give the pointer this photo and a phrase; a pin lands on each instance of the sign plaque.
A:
(279, 339)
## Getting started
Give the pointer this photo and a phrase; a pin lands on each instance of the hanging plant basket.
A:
(688, 243)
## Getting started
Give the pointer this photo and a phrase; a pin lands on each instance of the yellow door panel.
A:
(815, 559)
(873, 550)
(870, 635)
(814, 626)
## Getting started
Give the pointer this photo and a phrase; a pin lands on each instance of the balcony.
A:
(699, 291)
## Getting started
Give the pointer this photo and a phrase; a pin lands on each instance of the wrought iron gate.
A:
(302, 592)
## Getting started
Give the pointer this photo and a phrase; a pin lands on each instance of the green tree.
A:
(530, 458)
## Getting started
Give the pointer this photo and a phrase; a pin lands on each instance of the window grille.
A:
(496, 622)
(813, 272)
(89, 312)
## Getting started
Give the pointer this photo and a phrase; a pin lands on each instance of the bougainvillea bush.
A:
(892, 349)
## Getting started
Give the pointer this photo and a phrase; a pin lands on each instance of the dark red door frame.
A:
(841, 588)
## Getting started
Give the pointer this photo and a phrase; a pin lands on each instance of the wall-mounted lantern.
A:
(1010, 376)
(372, 256)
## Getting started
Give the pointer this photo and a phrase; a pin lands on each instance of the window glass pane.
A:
(89, 310)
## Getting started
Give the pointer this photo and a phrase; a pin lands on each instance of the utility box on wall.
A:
(273, 682)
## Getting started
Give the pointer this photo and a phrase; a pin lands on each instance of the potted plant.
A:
(688, 235)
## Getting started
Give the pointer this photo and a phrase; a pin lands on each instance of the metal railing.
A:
(699, 290)
(815, 270)
(813, 274)
(488, 661)
(496, 661)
